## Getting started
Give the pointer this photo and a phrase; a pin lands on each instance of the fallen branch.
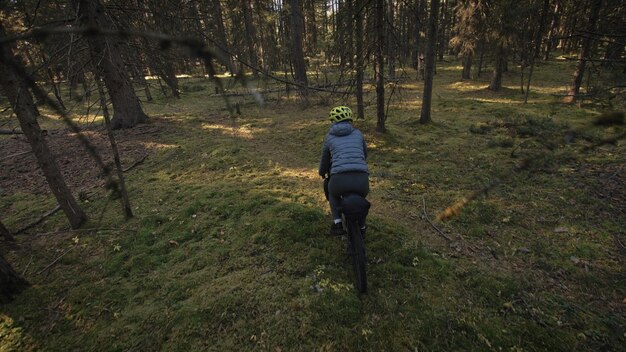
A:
(431, 223)
(619, 243)
(51, 212)
(136, 162)
(55, 261)
(15, 155)
(94, 229)
(11, 132)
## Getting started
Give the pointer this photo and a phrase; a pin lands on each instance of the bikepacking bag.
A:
(354, 206)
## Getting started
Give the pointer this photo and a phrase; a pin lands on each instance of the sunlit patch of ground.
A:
(243, 131)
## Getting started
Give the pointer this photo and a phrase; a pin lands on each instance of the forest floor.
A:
(229, 250)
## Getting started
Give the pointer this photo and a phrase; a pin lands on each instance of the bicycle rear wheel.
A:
(358, 256)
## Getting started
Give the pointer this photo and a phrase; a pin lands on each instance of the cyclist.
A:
(343, 160)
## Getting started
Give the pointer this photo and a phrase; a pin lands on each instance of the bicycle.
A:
(354, 209)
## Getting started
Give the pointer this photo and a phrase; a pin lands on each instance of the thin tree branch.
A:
(431, 223)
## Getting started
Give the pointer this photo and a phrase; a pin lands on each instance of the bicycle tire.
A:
(358, 256)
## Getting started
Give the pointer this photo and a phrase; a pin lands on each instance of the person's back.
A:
(343, 160)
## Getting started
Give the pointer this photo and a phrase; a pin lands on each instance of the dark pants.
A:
(347, 182)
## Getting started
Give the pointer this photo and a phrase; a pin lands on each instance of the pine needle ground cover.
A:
(229, 249)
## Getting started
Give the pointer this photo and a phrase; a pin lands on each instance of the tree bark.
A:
(496, 77)
(360, 64)
(442, 33)
(297, 54)
(106, 58)
(467, 66)
(585, 53)
(535, 54)
(416, 40)
(16, 90)
(128, 213)
(250, 36)
(380, 63)
(553, 27)
(391, 41)
(430, 63)
(11, 283)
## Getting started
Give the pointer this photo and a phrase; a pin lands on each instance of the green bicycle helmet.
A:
(340, 113)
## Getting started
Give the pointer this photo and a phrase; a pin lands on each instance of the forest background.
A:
(158, 186)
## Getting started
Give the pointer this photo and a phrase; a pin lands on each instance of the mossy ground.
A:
(228, 247)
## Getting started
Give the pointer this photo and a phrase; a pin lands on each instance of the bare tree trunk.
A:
(128, 213)
(553, 27)
(297, 54)
(359, 63)
(442, 32)
(585, 53)
(55, 88)
(250, 37)
(142, 80)
(496, 78)
(538, 36)
(391, 41)
(349, 13)
(415, 42)
(430, 63)
(380, 63)
(11, 283)
(221, 33)
(16, 90)
(481, 48)
(467, 66)
(169, 76)
(106, 57)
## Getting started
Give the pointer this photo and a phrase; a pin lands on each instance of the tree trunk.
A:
(348, 25)
(221, 33)
(380, 63)
(55, 88)
(16, 90)
(442, 33)
(496, 77)
(416, 40)
(467, 66)
(391, 41)
(127, 111)
(535, 54)
(297, 54)
(481, 49)
(11, 283)
(168, 72)
(430, 63)
(359, 64)
(585, 54)
(128, 213)
(141, 78)
(553, 27)
(253, 57)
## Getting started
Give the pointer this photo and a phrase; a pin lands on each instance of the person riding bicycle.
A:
(343, 163)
